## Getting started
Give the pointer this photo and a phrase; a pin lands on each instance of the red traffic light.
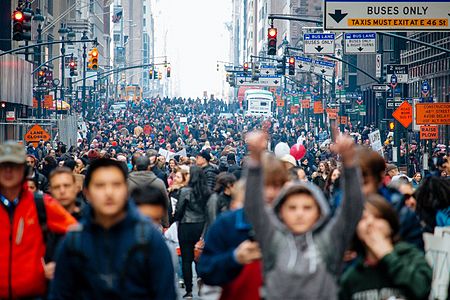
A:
(291, 60)
(18, 15)
(72, 64)
(41, 73)
(245, 66)
(94, 52)
(272, 33)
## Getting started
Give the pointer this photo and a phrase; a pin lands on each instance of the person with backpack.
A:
(115, 252)
(26, 219)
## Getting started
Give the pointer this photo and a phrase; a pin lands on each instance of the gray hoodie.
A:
(141, 178)
(303, 266)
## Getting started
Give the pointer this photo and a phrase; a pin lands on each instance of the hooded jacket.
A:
(142, 178)
(108, 268)
(303, 266)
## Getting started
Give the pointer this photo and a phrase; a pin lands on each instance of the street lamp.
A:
(63, 32)
(39, 19)
(83, 91)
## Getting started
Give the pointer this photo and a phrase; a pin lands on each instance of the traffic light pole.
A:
(83, 90)
(39, 58)
(44, 44)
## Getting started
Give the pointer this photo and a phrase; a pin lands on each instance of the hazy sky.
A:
(197, 37)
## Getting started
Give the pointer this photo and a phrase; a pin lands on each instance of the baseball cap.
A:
(12, 152)
(289, 159)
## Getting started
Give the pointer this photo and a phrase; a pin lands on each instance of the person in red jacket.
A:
(23, 271)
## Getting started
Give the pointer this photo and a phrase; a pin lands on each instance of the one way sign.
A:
(318, 43)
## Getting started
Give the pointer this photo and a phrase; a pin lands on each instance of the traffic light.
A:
(272, 41)
(93, 59)
(159, 75)
(155, 74)
(245, 68)
(168, 72)
(26, 24)
(256, 72)
(73, 68)
(41, 76)
(150, 74)
(231, 79)
(281, 66)
(391, 125)
(291, 65)
(2, 105)
(18, 18)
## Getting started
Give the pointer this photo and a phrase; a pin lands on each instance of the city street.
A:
(289, 149)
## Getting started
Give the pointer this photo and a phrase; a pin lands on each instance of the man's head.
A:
(151, 202)
(202, 159)
(12, 165)
(105, 187)
(63, 187)
(392, 170)
(31, 161)
(142, 163)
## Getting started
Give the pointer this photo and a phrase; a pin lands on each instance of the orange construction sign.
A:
(36, 134)
(332, 113)
(280, 103)
(433, 113)
(294, 109)
(306, 103)
(48, 101)
(404, 114)
(429, 132)
(318, 107)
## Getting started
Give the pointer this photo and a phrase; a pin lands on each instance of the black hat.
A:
(231, 157)
(205, 154)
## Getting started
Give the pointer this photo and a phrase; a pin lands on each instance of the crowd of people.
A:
(150, 191)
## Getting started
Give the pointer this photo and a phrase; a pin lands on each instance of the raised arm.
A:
(340, 230)
(254, 206)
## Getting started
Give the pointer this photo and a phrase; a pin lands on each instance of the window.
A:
(50, 7)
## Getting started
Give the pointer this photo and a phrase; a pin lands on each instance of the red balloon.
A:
(298, 151)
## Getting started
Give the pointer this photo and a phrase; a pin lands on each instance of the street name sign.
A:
(303, 64)
(361, 42)
(401, 15)
(380, 88)
(400, 71)
(433, 113)
(324, 68)
(318, 43)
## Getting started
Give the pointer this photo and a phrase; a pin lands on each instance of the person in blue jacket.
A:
(114, 253)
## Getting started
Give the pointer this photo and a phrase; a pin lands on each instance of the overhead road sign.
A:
(362, 42)
(400, 15)
(266, 70)
(303, 64)
(318, 43)
(262, 81)
(433, 113)
(324, 68)
(400, 71)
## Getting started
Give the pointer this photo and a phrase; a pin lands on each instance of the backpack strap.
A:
(42, 214)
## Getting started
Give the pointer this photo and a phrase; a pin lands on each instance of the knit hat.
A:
(205, 155)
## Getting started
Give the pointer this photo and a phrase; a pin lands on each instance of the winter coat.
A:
(218, 266)
(142, 178)
(303, 266)
(404, 273)
(98, 263)
(211, 174)
(22, 244)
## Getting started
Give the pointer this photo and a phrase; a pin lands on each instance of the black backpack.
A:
(50, 238)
